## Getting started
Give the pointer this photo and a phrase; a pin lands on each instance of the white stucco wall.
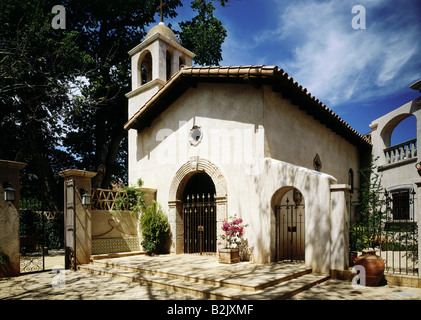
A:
(295, 137)
(242, 127)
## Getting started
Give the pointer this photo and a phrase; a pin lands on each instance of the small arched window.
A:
(145, 69)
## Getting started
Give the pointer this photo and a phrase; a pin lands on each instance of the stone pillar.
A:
(175, 218)
(339, 219)
(9, 217)
(221, 215)
(150, 195)
(81, 180)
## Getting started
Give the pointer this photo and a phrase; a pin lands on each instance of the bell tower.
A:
(154, 62)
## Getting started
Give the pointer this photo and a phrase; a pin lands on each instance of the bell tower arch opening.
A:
(145, 68)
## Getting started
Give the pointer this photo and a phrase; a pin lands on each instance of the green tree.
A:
(37, 63)
(41, 69)
(107, 31)
(204, 34)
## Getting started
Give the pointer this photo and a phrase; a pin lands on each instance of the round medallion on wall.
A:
(195, 135)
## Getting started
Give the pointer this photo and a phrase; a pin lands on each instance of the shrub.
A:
(155, 228)
(130, 198)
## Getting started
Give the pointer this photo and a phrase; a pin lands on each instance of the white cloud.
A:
(337, 63)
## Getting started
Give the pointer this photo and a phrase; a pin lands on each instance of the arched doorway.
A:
(199, 215)
(176, 195)
(290, 225)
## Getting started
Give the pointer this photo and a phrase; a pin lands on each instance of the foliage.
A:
(36, 65)
(107, 30)
(155, 228)
(233, 231)
(62, 92)
(358, 237)
(131, 198)
(204, 34)
(35, 224)
(372, 209)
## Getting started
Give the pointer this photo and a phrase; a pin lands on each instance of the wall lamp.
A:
(86, 197)
(9, 193)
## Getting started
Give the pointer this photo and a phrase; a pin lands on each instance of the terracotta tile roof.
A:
(255, 75)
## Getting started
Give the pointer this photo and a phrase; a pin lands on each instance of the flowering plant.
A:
(233, 230)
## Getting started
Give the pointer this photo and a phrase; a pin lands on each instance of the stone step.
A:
(287, 289)
(239, 281)
(283, 290)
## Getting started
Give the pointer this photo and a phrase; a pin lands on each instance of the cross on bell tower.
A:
(154, 62)
(161, 6)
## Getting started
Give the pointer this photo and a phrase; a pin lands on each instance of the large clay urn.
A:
(373, 265)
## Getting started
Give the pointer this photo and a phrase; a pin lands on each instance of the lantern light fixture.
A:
(9, 194)
(86, 198)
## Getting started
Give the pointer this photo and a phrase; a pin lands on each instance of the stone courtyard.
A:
(81, 285)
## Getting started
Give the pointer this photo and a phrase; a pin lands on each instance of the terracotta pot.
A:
(373, 265)
(229, 255)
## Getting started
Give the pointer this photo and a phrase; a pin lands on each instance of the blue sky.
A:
(360, 74)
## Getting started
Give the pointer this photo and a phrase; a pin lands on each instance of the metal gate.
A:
(32, 230)
(392, 231)
(199, 218)
(290, 232)
(41, 236)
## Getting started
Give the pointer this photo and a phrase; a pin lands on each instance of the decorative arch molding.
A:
(387, 129)
(191, 167)
(175, 198)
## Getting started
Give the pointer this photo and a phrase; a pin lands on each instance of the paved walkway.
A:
(71, 285)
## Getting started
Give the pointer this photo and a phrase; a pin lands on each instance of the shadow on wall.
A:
(275, 181)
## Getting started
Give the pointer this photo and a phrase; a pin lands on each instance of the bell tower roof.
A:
(164, 30)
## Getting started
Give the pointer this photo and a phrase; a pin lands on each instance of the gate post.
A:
(221, 215)
(339, 219)
(77, 218)
(9, 217)
(175, 219)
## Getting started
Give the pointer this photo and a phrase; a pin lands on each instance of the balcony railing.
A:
(400, 152)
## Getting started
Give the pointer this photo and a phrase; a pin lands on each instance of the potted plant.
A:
(373, 212)
(233, 230)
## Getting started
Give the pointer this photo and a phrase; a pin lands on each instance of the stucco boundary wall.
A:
(9, 217)
(115, 231)
(326, 225)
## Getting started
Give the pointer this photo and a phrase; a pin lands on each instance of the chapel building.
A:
(213, 142)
